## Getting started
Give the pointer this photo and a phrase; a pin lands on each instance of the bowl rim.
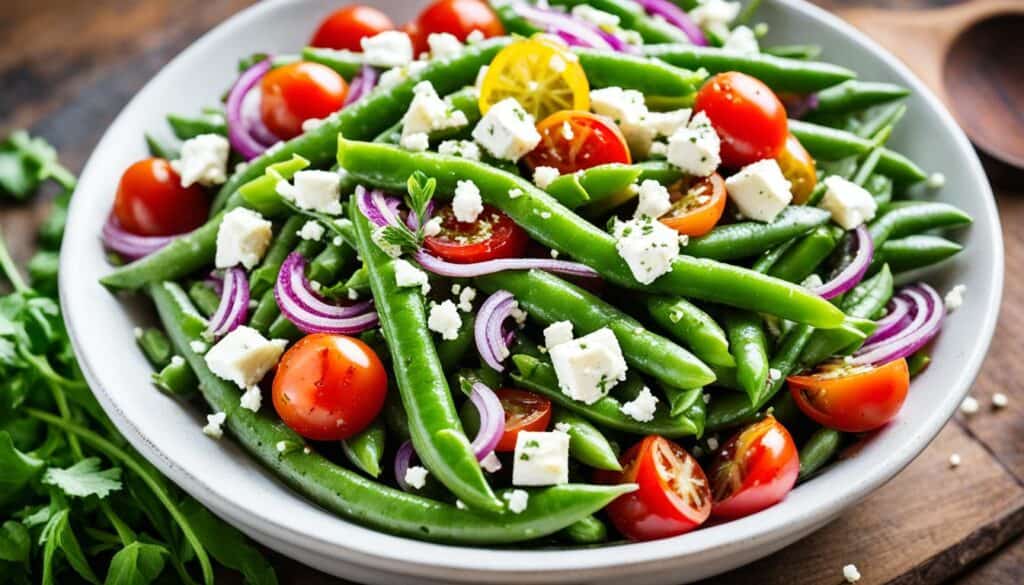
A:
(370, 547)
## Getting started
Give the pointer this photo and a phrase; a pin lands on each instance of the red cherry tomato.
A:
(294, 93)
(572, 140)
(344, 28)
(854, 400)
(672, 497)
(755, 469)
(524, 411)
(748, 116)
(697, 205)
(419, 40)
(151, 201)
(460, 18)
(329, 387)
(493, 235)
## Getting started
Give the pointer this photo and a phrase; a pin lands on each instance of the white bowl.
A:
(224, 478)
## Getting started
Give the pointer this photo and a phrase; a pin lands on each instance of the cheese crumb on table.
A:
(242, 238)
(517, 500)
(954, 460)
(999, 400)
(416, 476)
(955, 297)
(641, 408)
(444, 319)
(213, 425)
(969, 405)
(203, 160)
(851, 574)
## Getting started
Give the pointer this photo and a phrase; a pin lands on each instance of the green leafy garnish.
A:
(420, 192)
(85, 479)
(26, 162)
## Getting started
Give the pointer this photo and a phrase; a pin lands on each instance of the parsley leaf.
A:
(26, 162)
(18, 468)
(15, 542)
(136, 564)
(85, 479)
(57, 536)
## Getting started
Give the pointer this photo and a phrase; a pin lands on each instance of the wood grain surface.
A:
(68, 66)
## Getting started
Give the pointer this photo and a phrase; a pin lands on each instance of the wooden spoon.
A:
(972, 57)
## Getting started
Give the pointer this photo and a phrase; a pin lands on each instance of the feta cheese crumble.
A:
(244, 356)
(695, 149)
(444, 45)
(557, 333)
(407, 275)
(252, 399)
(312, 231)
(198, 346)
(507, 131)
(742, 40)
(213, 425)
(428, 112)
(849, 203)
(432, 227)
(387, 49)
(647, 246)
(444, 319)
(759, 190)
(491, 463)
(544, 176)
(715, 15)
(466, 203)
(936, 181)
(466, 298)
(954, 460)
(463, 148)
(417, 142)
(955, 297)
(203, 160)
(242, 238)
(541, 458)
(515, 193)
(851, 574)
(641, 408)
(416, 476)
(999, 400)
(314, 190)
(654, 200)
(589, 366)
(517, 500)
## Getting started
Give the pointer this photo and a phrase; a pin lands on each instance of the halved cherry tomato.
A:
(344, 28)
(329, 387)
(151, 201)
(852, 399)
(294, 93)
(754, 469)
(419, 40)
(799, 168)
(672, 496)
(748, 116)
(459, 18)
(524, 411)
(571, 141)
(493, 235)
(541, 73)
(696, 205)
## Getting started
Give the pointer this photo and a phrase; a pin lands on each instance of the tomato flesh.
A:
(853, 400)
(459, 18)
(746, 114)
(573, 140)
(329, 387)
(672, 496)
(344, 29)
(294, 93)
(524, 411)
(754, 469)
(150, 200)
(799, 168)
(493, 235)
(696, 206)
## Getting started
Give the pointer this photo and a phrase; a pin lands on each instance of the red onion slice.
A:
(234, 303)
(362, 84)
(380, 209)
(564, 26)
(129, 245)
(797, 106)
(309, 312)
(452, 270)
(926, 302)
(403, 459)
(852, 274)
(894, 322)
(917, 320)
(239, 133)
(252, 119)
(677, 17)
(487, 330)
(492, 420)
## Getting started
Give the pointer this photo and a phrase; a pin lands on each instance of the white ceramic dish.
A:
(223, 477)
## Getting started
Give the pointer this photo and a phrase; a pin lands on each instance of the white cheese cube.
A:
(588, 367)
(392, 77)
(242, 238)
(417, 142)
(213, 425)
(742, 40)
(203, 160)
(428, 112)
(466, 203)
(314, 190)
(759, 190)
(541, 458)
(407, 275)
(244, 356)
(696, 148)
(626, 108)
(387, 49)
(544, 176)
(641, 408)
(557, 333)
(654, 200)
(443, 45)
(507, 131)
(444, 319)
(849, 203)
(517, 501)
(463, 148)
(666, 123)
(649, 247)
(312, 230)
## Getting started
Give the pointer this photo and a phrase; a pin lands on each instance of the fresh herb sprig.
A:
(420, 190)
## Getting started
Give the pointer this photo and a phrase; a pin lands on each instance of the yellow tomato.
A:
(541, 73)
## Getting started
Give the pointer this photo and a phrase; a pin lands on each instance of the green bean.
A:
(282, 328)
(831, 144)
(855, 95)
(749, 238)
(204, 298)
(264, 276)
(766, 261)
(176, 378)
(326, 267)
(345, 63)
(748, 12)
(692, 326)
(680, 400)
(806, 255)
(395, 420)
(650, 77)
(366, 449)
(160, 149)
(749, 348)
(785, 409)
(451, 351)
(586, 443)
(660, 171)
(781, 74)
(266, 312)
(633, 17)
(905, 218)
(593, 185)
(359, 281)
(880, 188)
(874, 156)
(466, 100)
(589, 530)
(885, 116)
(918, 363)
(918, 251)
(550, 223)
(155, 346)
(801, 52)
(548, 299)
(818, 450)
(207, 123)
(352, 496)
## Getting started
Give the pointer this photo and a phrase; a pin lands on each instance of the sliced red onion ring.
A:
(487, 330)
(309, 312)
(894, 322)
(797, 106)
(452, 270)
(677, 17)
(414, 222)
(362, 84)
(403, 459)
(917, 320)
(926, 302)
(852, 274)
(234, 303)
(492, 420)
(239, 133)
(131, 246)
(252, 119)
(380, 209)
(564, 26)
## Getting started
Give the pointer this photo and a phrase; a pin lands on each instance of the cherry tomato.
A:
(852, 399)
(748, 116)
(459, 18)
(754, 469)
(344, 28)
(493, 235)
(294, 93)
(696, 205)
(672, 495)
(573, 140)
(524, 411)
(151, 201)
(419, 40)
(329, 387)
(799, 168)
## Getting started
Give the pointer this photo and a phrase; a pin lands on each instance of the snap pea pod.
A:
(451, 351)
(282, 328)
(586, 443)
(593, 185)
(329, 264)
(207, 123)
(660, 171)
(466, 100)
(359, 281)
(395, 420)
(204, 298)
(765, 261)
(155, 346)
(176, 378)
(806, 255)
(555, 226)
(905, 218)
(749, 348)
(918, 363)
(434, 423)
(779, 73)
(352, 496)
(366, 449)
(831, 144)
(265, 275)
(548, 299)
(589, 530)
(749, 238)
(818, 450)
(680, 400)
(885, 116)
(651, 77)
(159, 148)
(918, 251)
(633, 17)
(345, 63)
(801, 52)
(266, 312)
(870, 163)
(693, 327)
(880, 188)
(539, 376)
(855, 95)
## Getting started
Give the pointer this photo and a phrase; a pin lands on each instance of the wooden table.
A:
(67, 67)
